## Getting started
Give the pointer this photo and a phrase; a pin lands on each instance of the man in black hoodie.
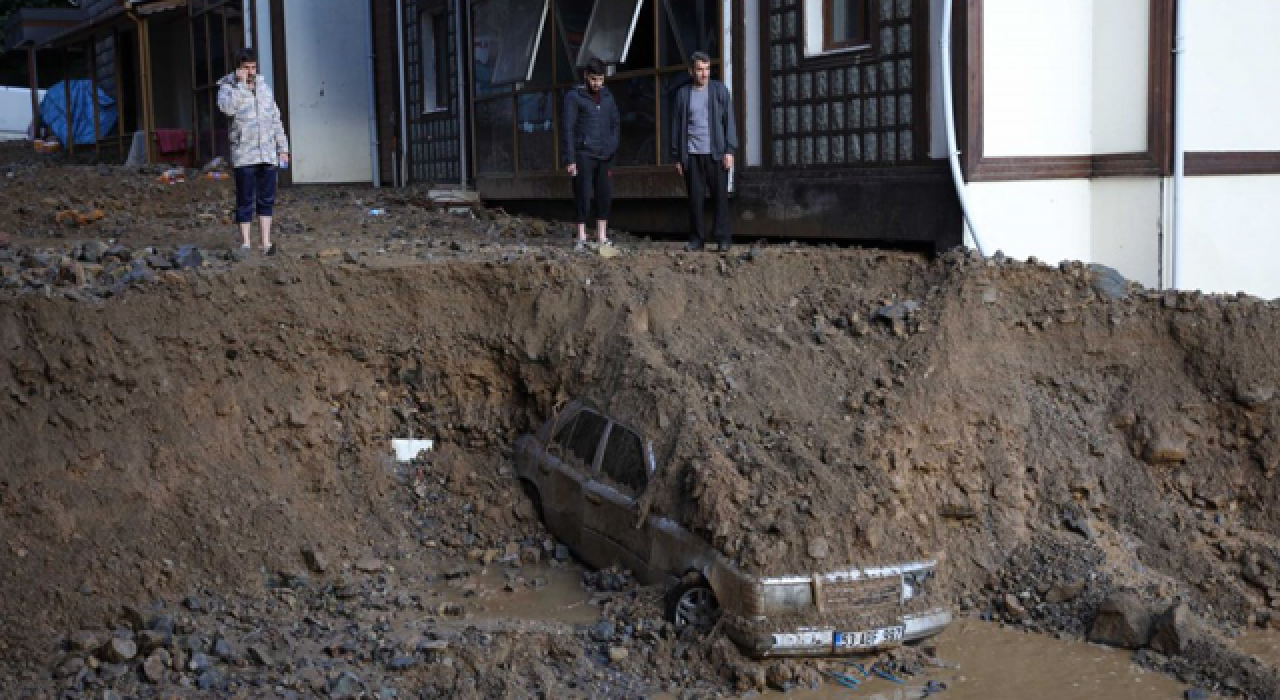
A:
(591, 128)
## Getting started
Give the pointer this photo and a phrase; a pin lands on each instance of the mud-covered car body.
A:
(589, 474)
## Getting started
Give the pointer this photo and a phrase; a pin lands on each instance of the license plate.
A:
(870, 638)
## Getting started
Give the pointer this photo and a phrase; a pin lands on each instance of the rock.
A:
(1196, 694)
(208, 680)
(188, 256)
(899, 311)
(1078, 523)
(351, 257)
(156, 667)
(329, 254)
(150, 640)
(604, 631)
(134, 617)
(259, 655)
(315, 560)
(617, 654)
(199, 662)
(818, 548)
(1064, 593)
(402, 663)
(69, 667)
(370, 565)
(86, 640)
(93, 251)
(1122, 621)
(1164, 447)
(1108, 282)
(1013, 607)
(225, 650)
(119, 650)
(562, 553)
(1171, 631)
(1254, 396)
(347, 685)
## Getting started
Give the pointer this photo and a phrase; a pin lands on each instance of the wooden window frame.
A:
(832, 45)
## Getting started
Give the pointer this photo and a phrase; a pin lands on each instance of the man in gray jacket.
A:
(704, 138)
(258, 145)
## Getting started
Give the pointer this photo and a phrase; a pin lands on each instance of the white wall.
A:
(1233, 80)
(1115, 222)
(755, 97)
(328, 68)
(1065, 78)
(266, 65)
(1232, 235)
(15, 112)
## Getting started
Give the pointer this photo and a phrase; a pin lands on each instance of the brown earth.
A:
(1034, 428)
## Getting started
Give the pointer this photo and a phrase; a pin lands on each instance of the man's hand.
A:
(680, 169)
(242, 75)
(284, 158)
(572, 169)
(728, 161)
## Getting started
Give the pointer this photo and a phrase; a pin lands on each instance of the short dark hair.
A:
(246, 56)
(699, 57)
(594, 67)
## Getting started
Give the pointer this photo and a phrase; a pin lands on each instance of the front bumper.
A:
(835, 640)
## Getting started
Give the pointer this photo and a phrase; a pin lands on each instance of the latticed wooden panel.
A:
(435, 143)
(857, 114)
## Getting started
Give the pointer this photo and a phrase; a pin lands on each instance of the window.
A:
(519, 39)
(433, 30)
(587, 431)
(624, 461)
(609, 32)
(846, 24)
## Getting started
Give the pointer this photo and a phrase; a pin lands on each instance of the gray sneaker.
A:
(580, 247)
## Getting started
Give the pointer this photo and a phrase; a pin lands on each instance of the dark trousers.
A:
(255, 185)
(594, 177)
(704, 175)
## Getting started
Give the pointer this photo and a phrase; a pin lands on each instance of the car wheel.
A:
(692, 604)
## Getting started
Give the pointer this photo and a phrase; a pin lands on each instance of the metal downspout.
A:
(464, 60)
(948, 108)
(1179, 143)
(374, 146)
(403, 164)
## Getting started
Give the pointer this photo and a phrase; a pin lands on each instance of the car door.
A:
(611, 511)
(570, 455)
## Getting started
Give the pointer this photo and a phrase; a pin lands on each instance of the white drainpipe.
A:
(373, 97)
(948, 108)
(1179, 142)
(404, 110)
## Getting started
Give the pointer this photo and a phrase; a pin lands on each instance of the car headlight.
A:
(916, 583)
(788, 597)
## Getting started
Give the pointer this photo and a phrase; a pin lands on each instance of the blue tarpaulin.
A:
(53, 111)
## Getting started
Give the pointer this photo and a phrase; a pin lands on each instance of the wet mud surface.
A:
(197, 449)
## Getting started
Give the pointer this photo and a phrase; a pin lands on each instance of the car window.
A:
(587, 431)
(565, 432)
(624, 462)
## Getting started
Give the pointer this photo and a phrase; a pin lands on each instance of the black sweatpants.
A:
(594, 177)
(704, 175)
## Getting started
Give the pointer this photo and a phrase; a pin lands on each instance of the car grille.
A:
(860, 593)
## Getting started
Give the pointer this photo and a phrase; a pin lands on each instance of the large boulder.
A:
(1172, 629)
(1123, 621)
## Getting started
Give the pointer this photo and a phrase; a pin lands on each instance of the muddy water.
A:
(984, 661)
(992, 663)
(1264, 644)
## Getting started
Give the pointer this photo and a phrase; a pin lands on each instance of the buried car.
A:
(589, 474)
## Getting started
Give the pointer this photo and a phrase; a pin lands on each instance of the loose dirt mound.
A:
(1037, 429)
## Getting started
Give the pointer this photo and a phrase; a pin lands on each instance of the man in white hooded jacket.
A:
(258, 145)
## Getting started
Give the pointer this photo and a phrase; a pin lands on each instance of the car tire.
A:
(692, 604)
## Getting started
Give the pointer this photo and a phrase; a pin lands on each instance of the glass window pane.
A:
(848, 18)
(430, 75)
(640, 55)
(542, 62)
(697, 25)
(200, 49)
(609, 31)
(537, 137)
(637, 104)
(572, 17)
(624, 460)
(586, 437)
(518, 40)
(495, 135)
(669, 51)
(565, 432)
(486, 27)
(217, 46)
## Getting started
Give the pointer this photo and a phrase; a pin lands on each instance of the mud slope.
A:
(814, 409)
